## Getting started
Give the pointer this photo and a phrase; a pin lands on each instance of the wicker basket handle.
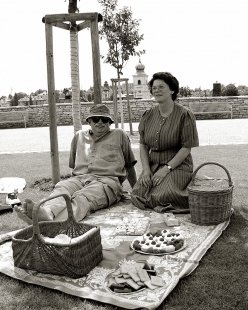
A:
(211, 163)
(37, 206)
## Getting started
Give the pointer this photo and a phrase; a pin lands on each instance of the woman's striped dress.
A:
(165, 137)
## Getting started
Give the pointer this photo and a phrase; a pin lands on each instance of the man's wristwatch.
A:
(169, 167)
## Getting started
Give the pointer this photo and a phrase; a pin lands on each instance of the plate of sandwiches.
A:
(133, 278)
(160, 242)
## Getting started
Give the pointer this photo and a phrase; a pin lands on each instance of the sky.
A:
(199, 41)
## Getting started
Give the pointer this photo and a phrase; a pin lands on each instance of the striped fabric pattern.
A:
(165, 137)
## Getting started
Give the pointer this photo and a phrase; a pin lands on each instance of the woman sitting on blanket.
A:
(167, 134)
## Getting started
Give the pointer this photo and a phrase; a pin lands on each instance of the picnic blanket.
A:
(116, 250)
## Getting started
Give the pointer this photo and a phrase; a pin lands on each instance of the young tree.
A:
(38, 91)
(21, 95)
(67, 93)
(30, 100)
(16, 97)
(15, 100)
(90, 97)
(57, 92)
(121, 32)
(185, 92)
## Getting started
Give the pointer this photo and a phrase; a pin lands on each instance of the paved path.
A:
(211, 132)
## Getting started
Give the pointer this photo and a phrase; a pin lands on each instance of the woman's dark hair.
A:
(169, 79)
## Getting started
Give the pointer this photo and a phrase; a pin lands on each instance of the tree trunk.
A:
(76, 107)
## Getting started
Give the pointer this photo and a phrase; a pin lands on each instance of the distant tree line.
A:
(228, 90)
(17, 96)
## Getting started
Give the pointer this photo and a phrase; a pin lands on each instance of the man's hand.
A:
(131, 176)
(146, 179)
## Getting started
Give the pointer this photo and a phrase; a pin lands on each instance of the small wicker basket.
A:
(31, 251)
(210, 206)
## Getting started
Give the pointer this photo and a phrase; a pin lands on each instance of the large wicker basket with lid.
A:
(76, 259)
(210, 200)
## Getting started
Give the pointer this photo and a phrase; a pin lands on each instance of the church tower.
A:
(140, 88)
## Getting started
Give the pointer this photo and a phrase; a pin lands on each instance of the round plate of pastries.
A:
(161, 242)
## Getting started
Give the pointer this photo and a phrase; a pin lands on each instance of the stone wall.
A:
(239, 106)
(39, 115)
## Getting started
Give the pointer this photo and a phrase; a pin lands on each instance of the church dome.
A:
(140, 67)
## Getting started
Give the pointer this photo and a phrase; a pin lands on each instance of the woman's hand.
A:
(159, 175)
(146, 179)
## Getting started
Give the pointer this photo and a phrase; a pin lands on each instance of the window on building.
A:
(139, 82)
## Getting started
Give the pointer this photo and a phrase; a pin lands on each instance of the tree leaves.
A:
(229, 90)
(121, 33)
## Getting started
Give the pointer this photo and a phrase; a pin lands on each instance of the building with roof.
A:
(137, 89)
(140, 80)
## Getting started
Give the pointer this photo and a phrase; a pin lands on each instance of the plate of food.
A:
(133, 226)
(161, 242)
(133, 278)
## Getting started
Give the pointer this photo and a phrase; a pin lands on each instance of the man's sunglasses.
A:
(96, 119)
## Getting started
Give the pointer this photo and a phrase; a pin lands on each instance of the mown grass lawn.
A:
(220, 280)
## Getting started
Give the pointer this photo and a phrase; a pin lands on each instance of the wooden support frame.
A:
(61, 25)
(96, 61)
(83, 25)
(72, 17)
(115, 105)
(59, 20)
(54, 153)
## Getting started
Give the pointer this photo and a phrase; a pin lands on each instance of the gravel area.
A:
(211, 132)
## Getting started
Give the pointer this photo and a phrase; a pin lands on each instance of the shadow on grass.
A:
(46, 184)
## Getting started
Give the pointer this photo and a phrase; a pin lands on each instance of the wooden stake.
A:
(129, 110)
(114, 87)
(115, 103)
(52, 106)
(121, 106)
(96, 61)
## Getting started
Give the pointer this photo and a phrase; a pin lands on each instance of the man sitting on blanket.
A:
(101, 159)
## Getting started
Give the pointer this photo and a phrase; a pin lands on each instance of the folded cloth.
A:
(169, 208)
(9, 184)
(5, 207)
